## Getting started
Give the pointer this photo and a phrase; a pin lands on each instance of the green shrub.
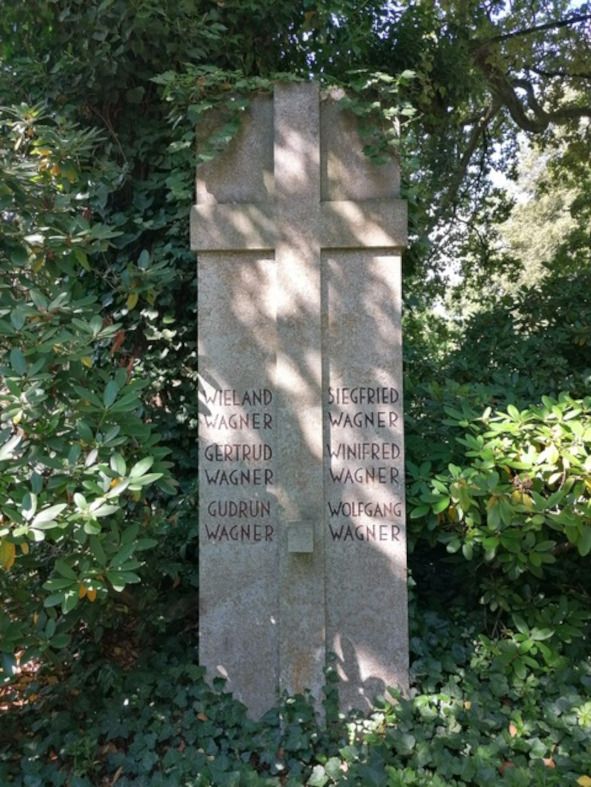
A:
(519, 499)
(76, 454)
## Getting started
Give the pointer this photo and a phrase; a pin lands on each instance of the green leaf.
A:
(545, 546)
(89, 396)
(493, 518)
(105, 510)
(91, 458)
(80, 501)
(29, 505)
(110, 393)
(405, 743)
(48, 515)
(537, 748)
(97, 550)
(137, 483)
(18, 361)
(141, 467)
(111, 434)
(7, 449)
(85, 431)
(541, 634)
(18, 317)
(349, 753)
(119, 579)
(130, 534)
(124, 553)
(74, 454)
(60, 641)
(70, 601)
(82, 259)
(39, 300)
(519, 669)
(96, 324)
(520, 623)
(145, 543)
(53, 600)
(65, 569)
(441, 505)
(318, 777)
(118, 464)
(584, 541)
(534, 558)
(333, 768)
(57, 583)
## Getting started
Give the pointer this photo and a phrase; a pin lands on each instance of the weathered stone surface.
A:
(301, 466)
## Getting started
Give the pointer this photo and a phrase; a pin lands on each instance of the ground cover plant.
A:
(98, 537)
(469, 720)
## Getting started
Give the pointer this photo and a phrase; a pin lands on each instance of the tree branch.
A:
(561, 74)
(541, 119)
(532, 101)
(504, 91)
(477, 132)
(526, 31)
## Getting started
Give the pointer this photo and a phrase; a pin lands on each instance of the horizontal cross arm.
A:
(373, 223)
(233, 227)
(377, 223)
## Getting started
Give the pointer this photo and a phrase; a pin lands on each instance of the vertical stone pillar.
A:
(298, 383)
(237, 340)
(366, 598)
(301, 465)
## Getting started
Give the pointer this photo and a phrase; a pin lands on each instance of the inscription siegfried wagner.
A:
(353, 462)
(244, 465)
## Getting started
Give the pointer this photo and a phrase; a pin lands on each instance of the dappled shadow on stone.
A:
(301, 411)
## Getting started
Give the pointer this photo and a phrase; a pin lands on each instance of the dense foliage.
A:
(98, 533)
(469, 722)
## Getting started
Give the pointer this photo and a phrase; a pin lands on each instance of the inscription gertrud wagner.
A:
(301, 484)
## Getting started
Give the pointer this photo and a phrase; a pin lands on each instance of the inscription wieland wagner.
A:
(343, 515)
(228, 397)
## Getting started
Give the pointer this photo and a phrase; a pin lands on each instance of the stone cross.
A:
(302, 545)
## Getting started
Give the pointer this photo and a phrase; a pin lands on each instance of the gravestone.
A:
(302, 540)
